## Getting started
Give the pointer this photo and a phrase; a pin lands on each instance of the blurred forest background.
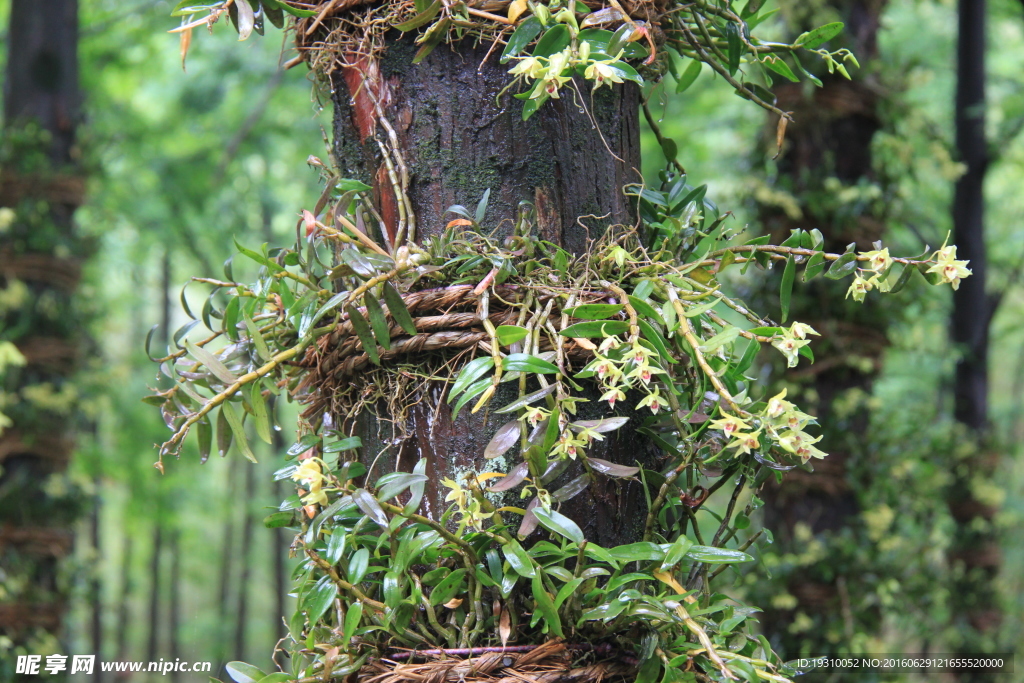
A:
(180, 163)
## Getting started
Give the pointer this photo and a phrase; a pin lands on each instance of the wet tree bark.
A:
(41, 187)
(975, 554)
(457, 143)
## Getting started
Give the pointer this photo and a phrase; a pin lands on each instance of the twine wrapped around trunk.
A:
(551, 662)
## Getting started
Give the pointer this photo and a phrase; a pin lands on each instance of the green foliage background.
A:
(181, 162)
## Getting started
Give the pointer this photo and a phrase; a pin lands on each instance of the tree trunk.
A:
(39, 191)
(975, 554)
(828, 147)
(174, 623)
(457, 142)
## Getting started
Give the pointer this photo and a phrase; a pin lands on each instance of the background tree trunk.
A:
(975, 553)
(458, 143)
(828, 148)
(40, 251)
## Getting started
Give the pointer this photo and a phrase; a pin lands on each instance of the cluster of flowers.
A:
(946, 265)
(780, 423)
(556, 70)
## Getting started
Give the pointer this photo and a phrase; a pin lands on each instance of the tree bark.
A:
(457, 143)
(241, 613)
(971, 306)
(40, 184)
(975, 553)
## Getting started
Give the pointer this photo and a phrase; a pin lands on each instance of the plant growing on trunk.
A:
(387, 305)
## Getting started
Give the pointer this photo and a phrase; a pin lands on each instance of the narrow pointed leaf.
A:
(397, 309)
(378, 322)
(259, 411)
(362, 329)
(211, 363)
(472, 371)
(506, 437)
(238, 429)
(560, 524)
(514, 478)
(370, 507)
(528, 399)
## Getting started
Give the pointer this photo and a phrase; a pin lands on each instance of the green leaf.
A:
(559, 523)
(301, 13)
(352, 619)
(546, 606)
(472, 392)
(331, 304)
(636, 552)
(481, 207)
(735, 46)
(259, 412)
(358, 565)
(518, 559)
(510, 334)
(362, 330)
(606, 328)
(527, 400)
(749, 354)
(397, 309)
(370, 507)
(780, 67)
(277, 677)
(218, 369)
(347, 444)
(524, 362)
(258, 258)
(241, 672)
(711, 555)
(555, 39)
(842, 266)
(276, 520)
(204, 436)
(655, 338)
(645, 309)
(814, 266)
(378, 322)
(448, 588)
(676, 552)
(420, 19)
(568, 589)
(470, 373)
(819, 36)
(726, 336)
(523, 36)
(901, 281)
(257, 337)
(223, 434)
(689, 76)
(594, 311)
(786, 290)
(319, 599)
(694, 311)
(231, 415)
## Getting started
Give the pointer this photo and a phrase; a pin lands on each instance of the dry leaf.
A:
(516, 9)
(310, 220)
(458, 221)
(453, 603)
(505, 626)
(780, 135)
(186, 40)
(585, 343)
